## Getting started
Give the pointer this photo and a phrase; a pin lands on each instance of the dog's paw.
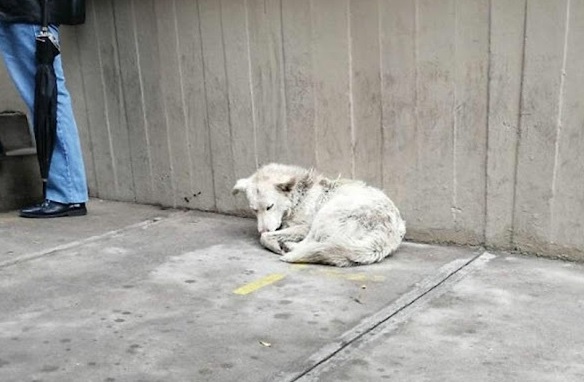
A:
(269, 241)
(293, 257)
(288, 246)
(286, 258)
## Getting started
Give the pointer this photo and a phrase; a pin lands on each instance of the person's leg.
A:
(19, 60)
(67, 183)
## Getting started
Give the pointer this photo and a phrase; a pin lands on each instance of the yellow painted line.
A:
(364, 277)
(258, 284)
(353, 276)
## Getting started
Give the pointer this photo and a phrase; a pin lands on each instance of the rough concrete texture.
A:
(134, 293)
(468, 113)
(25, 238)
(9, 98)
(510, 319)
(20, 182)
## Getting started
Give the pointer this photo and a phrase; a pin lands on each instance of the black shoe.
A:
(50, 209)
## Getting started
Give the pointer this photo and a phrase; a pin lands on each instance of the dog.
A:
(308, 218)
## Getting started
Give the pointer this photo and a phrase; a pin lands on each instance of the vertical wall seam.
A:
(351, 98)
(314, 87)
(487, 122)
(183, 98)
(454, 207)
(251, 90)
(416, 86)
(519, 129)
(559, 124)
(381, 97)
(168, 144)
(284, 87)
(105, 107)
(227, 92)
(122, 99)
(87, 120)
(209, 138)
(142, 100)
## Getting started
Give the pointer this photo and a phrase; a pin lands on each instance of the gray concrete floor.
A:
(135, 293)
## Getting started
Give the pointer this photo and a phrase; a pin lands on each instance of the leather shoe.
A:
(50, 209)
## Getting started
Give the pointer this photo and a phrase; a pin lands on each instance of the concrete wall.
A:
(20, 182)
(9, 99)
(467, 112)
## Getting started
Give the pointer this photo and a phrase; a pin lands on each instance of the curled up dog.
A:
(308, 218)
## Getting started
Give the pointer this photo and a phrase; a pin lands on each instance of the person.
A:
(66, 186)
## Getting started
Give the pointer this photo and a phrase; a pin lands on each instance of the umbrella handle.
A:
(45, 15)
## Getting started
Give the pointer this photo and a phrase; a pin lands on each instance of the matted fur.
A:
(308, 218)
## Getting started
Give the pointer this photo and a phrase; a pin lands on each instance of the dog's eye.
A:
(269, 207)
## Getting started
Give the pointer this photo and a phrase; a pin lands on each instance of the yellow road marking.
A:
(353, 276)
(255, 285)
(364, 277)
(275, 277)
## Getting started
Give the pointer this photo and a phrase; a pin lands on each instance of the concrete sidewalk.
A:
(135, 293)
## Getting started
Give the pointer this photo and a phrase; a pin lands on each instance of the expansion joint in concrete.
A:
(92, 239)
(399, 311)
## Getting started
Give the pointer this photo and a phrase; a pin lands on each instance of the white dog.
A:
(308, 218)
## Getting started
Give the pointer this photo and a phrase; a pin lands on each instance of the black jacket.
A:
(29, 11)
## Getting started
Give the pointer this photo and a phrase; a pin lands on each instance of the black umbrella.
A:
(45, 100)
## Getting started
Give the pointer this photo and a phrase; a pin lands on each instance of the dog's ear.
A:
(240, 186)
(287, 186)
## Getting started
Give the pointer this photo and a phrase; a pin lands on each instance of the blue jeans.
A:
(67, 182)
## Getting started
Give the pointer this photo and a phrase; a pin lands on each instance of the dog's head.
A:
(268, 196)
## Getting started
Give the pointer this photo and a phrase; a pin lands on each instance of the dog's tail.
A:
(319, 253)
(332, 254)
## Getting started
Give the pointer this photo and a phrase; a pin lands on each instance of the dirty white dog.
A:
(308, 218)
